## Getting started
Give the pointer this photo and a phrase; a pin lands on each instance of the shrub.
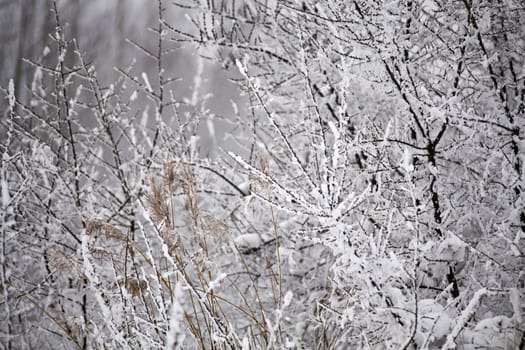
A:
(373, 198)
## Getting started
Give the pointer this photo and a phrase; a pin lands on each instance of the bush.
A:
(372, 198)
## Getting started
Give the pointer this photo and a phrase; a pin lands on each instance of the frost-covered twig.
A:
(466, 315)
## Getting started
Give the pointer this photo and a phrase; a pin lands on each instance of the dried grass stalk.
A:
(111, 232)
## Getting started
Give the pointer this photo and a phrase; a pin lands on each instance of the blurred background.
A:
(101, 28)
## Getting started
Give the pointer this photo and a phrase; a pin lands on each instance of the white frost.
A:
(5, 189)
(245, 187)
(11, 95)
(465, 317)
(249, 241)
(516, 300)
(175, 335)
(146, 81)
(215, 282)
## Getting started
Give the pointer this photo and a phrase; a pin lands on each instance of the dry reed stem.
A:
(160, 210)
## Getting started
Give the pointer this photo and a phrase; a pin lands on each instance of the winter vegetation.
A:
(365, 191)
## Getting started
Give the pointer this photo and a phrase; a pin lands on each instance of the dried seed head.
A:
(172, 239)
(218, 229)
(136, 287)
(169, 174)
(61, 260)
(100, 253)
(112, 232)
(201, 261)
(158, 206)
